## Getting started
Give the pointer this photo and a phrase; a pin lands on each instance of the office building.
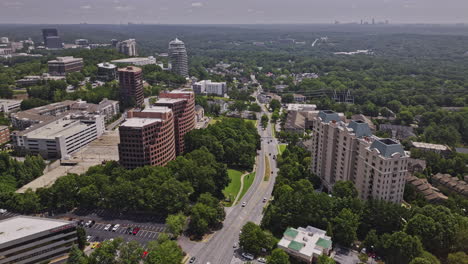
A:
(305, 244)
(59, 138)
(114, 43)
(4, 135)
(64, 65)
(127, 47)
(82, 42)
(28, 240)
(349, 152)
(137, 61)
(4, 40)
(131, 86)
(47, 113)
(209, 87)
(51, 38)
(107, 72)
(147, 138)
(178, 57)
(35, 79)
(9, 105)
(182, 104)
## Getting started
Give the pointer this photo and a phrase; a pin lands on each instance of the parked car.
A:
(95, 245)
(107, 227)
(3, 211)
(248, 256)
(115, 227)
(136, 230)
(129, 230)
(192, 260)
(261, 260)
(235, 245)
(88, 223)
(81, 223)
(92, 223)
(88, 238)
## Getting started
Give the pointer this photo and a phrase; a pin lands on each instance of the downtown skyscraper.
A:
(178, 57)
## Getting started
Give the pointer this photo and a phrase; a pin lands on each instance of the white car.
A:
(88, 223)
(3, 211)
(248, 256)
(88, 238)
(107, 227)
(261, 260)
(244, 204)
(116, 227)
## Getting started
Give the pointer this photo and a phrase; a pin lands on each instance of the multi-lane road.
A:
(219, 249)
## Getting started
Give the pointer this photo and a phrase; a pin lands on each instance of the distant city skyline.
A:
(231, 12)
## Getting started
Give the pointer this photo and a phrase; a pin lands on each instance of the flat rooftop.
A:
(130, 60)
(57, 129)
(139, 122)
(430, 146)
(21, 226)
(65, 59)
(157, 109)
(168, 100)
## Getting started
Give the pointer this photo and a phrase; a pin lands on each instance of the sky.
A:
(231, 11)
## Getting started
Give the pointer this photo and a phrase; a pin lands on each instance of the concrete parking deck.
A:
(101, 149)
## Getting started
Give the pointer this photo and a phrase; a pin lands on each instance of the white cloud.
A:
(197, 4)
(85, 7)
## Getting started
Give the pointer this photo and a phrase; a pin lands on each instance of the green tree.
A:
(345, 225)
(457, 258)
(167, 252)
(275, 105)
(278, 256)
(76, 256)
(401, 248)
(253, 239)
(176, 223)
(424, 227)
(264, 121)
(324, 259)
(81, 233)
(129, 253)
(419, 260)
(344, 189)
(371, 241)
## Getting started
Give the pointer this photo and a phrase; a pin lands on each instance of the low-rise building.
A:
(422, 186)
(4, 134)
(209, 87)
(64, 65)
(305, 244)
(137, 61)
(8, 105)
(35, 79)
(397, 131)
(436, 148)
(299, 98)
(26, 239)
(449, 183)
(301, 107)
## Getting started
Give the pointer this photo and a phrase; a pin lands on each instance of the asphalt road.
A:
(219, 248)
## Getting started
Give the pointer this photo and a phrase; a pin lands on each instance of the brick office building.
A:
(147, 138)
(64, 65)
(131, 86)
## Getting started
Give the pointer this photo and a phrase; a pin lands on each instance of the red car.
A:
(136, 230)
(144, 254)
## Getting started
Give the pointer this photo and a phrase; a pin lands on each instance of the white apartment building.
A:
(349, 152)
(59, 138)
(305, 244)
(209, 87)
(8, 106)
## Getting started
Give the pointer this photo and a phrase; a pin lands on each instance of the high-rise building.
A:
(131, 86)
(147, 138)
(178, 57)
(127, 47)
(349, 151)
(51, 38)
(182, 104)
(107, 72)
(64, 65)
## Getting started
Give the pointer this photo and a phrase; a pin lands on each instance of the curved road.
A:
(219, 248)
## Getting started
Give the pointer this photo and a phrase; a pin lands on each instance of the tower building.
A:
(178, 57)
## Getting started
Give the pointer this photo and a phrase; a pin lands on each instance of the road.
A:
(219, 248)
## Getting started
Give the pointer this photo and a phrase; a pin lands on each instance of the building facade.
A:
(107, 72)
(4, 134)
(349, 152)
(127, 47)
(182, 104)
(209, 87)
(64, 65)
(51, 38)
(9, 105)
(131, 86)
(147, 138)
(178, 57)
(28, 240)
(59, 138)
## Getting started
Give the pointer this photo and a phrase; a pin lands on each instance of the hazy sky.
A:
(231, 11)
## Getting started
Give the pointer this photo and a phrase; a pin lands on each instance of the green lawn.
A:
(281, 148)
(233, 188)
(254, 122)
(273, 130)
(248, 180)
(266, 177)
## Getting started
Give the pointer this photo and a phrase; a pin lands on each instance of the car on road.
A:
(235, 245)
(270, 154)
(115, 227)
(261, 260)
(135, 230)
(244, 204)
(248, 256)
(264, 199)
(107, 227)
(192, 260)
(274, 156)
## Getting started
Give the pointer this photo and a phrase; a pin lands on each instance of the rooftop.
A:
(328, 115)
(360, 128)
(129, 69)
(309, 241)
(169, 101)
(62, 127)
(107, 65)
(387, 147)
(133, 60)
(301, 107)
(140, 122)
(430, 146)
(157, 109)
(21, 226)
(65, 59)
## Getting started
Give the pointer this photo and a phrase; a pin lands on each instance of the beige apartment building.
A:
(348, 151)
